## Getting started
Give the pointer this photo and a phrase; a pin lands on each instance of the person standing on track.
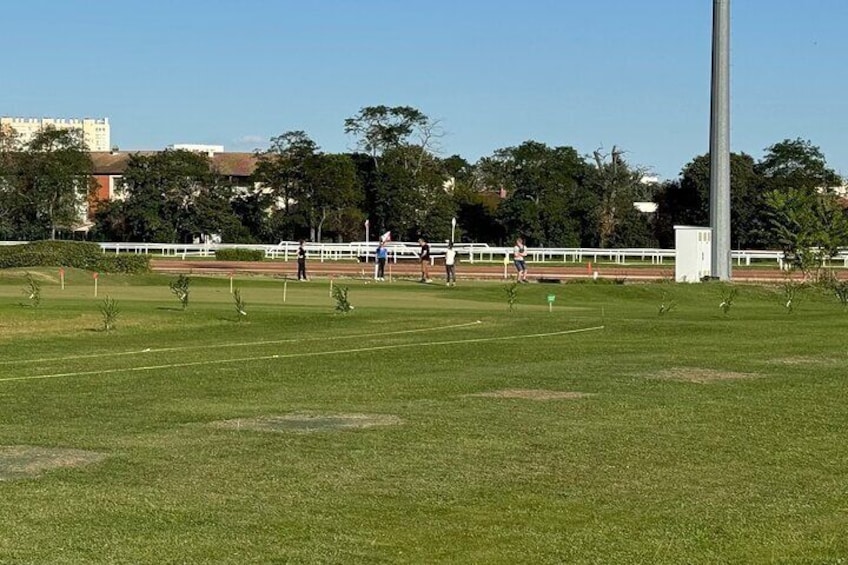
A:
(450, 265)
(424, 257)
(301, 262)
(519, 252)
(382, 256)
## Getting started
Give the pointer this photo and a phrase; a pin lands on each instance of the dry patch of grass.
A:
(306, 422)
(532, 394)
(24, 461)
(700, 375)
(804, 360)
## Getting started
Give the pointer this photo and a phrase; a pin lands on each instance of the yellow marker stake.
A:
(285, 287)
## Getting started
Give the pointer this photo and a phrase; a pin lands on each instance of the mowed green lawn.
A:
(699, 437)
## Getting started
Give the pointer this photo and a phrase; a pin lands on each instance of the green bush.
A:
(239, 254)
(130, 264)
(76, 254)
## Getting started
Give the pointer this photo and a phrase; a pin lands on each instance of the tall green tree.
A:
(405, 184)
(381, 128)
(282, 171)
(331, 194)
(797, 164)
(618, 186)
(687, 202)
(9, 153)
(547, 202)
(810, 226)
(52, 183)
(173, 196)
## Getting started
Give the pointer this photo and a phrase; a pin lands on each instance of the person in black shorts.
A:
(424, 257)
(301, 262)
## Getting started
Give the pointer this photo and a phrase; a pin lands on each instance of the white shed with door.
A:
(693, 253)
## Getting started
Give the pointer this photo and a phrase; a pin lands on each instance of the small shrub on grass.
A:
(109, 311)
(239, 254)
(32, 290)
(840, 289)
(830, 283)
(790, 290)
(180, 288)
(239, 303)
(511, 291)
(727, 298)
(343, 305)
(666, 305)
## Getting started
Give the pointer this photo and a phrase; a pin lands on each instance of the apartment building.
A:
(95, 131)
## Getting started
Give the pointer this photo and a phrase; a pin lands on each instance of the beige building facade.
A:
(95, 131)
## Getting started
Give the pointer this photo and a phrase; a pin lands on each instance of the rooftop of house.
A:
(227, 164)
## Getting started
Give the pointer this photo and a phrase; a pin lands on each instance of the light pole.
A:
(453, 228)
(720, 143)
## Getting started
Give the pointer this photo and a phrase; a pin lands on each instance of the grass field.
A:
(430, 424)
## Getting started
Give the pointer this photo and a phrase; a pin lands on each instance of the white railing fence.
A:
(471, 252)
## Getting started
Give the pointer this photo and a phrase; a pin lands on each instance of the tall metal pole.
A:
(720, 142)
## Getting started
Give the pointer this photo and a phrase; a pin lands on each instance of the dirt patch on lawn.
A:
(804, 360)
(532, 394)
(305, 423)
(701, 376)
(24, 461)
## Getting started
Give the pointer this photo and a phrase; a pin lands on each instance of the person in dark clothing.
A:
(424, 257)
(301, 262)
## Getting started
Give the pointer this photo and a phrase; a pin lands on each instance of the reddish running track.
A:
(536, 272)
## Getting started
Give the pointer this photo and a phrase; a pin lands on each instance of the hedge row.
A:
(239, 254)
(76, 254)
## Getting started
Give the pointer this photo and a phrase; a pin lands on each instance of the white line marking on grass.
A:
(242, 344)
(299, 355)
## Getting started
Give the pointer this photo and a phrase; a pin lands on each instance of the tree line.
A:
(397, 180)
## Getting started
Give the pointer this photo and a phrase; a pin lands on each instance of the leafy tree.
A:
(788, 167)
(51, 184)
(173, 196)
(617, 187)
(687, 202)
(476, 207)
(810, 226)
(9, 154)
(406, 186)
(547, 203)
(333, 189)
(282, 172)
(381, 128)
(796, 165)
(253, 210)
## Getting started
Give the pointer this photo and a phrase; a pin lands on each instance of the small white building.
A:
(692, 253)
(209, 150)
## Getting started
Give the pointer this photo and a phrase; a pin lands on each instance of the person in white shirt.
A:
(519, 252)
(450, 265)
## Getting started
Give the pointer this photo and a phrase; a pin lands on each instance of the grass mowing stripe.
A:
(297, 355)
(242, 344)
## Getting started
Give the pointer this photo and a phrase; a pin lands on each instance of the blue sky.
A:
(565, 72)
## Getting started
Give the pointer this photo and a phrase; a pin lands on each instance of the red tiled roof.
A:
(227, 164)
(234, 164)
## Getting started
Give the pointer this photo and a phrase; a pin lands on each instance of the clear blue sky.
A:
(565, 72)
